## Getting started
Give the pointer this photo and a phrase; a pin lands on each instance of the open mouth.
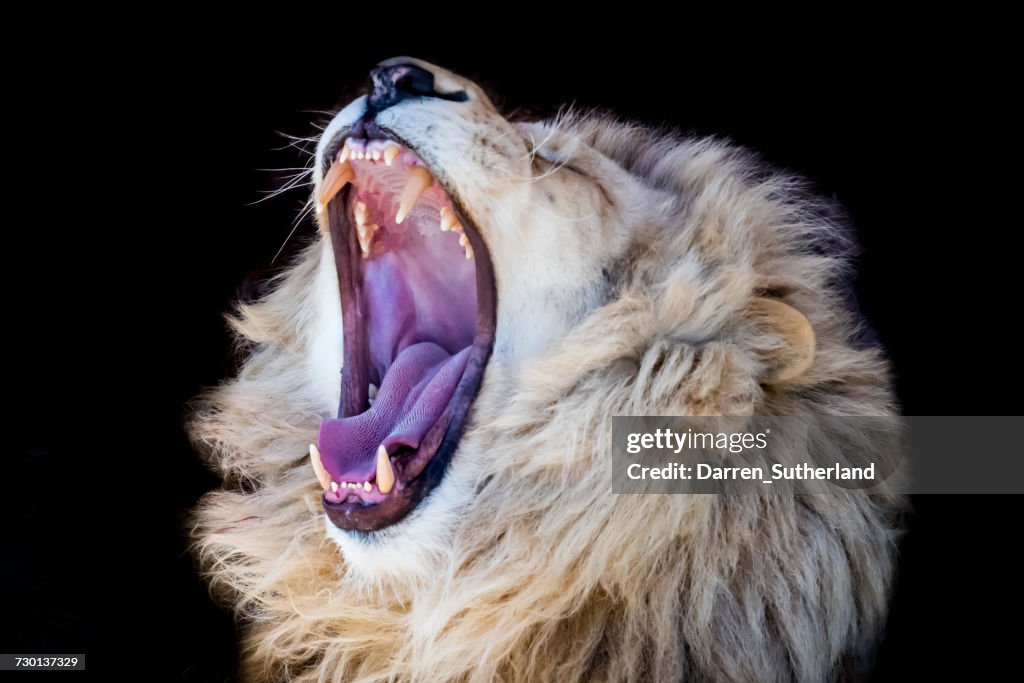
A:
(418, 310)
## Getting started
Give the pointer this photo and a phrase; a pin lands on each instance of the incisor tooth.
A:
(318, 466)
(376, 155)
(339, 175)
(345, 153)
(390, 153)
(419, 180)
(334, 486)
(367, 487)
(385, 475)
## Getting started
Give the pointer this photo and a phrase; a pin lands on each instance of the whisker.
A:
(303, 213)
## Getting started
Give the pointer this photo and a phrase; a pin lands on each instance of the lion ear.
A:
(790, 347)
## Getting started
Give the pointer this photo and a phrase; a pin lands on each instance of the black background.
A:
(910, 137)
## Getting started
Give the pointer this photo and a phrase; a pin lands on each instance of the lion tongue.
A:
(413, 395)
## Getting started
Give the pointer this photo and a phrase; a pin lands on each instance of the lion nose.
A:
(396, 83)
(391, 83)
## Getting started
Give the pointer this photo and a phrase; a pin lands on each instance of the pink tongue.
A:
(414, 393)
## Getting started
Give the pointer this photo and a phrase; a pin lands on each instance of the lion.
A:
(416, 446)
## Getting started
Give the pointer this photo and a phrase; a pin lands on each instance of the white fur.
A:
(326, 351)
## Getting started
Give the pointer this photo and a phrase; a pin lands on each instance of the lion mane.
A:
(546, 575)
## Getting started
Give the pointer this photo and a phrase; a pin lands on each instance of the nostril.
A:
(395, 83)
(413, 80)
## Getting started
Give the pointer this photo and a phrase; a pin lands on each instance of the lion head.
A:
(416, 446)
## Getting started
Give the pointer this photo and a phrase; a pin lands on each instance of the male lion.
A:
(495, 292)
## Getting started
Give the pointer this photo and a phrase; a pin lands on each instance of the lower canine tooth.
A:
(469, 252)
(318, 466)
(339, 175)
(419, 180)
(385, 475)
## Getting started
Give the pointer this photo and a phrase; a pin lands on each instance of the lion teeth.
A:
(469, 252)
(318, 466)
(372, 393)
(448, 220)
(365, 234)
(339, 175)
(385, 475)
(364, 231)
(367, 486)
(419, 180)
(334, 486)
(390, 152)
(376, 155)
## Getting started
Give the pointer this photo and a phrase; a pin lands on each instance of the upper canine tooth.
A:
(385, 475)
(339, 175)
(419, 180)
(390, 152)
(318, 466)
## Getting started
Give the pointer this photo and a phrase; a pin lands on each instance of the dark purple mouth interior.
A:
(417, 293)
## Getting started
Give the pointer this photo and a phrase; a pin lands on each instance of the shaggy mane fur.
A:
(547, 576)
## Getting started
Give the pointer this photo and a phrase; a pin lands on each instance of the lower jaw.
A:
(419, 473)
